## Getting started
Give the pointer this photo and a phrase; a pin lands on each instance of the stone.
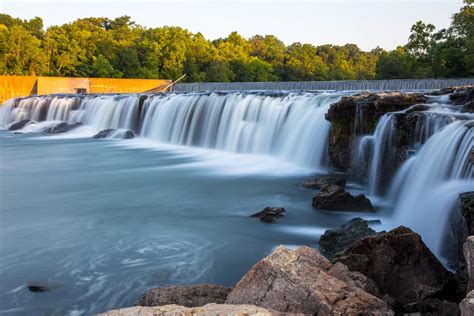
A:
(334, 241)
(188, 296)
(468, 249)
(358, 115)
(462, 95)
(333, 197)
(115, 133)
(467, 305)
(298, 281)
(62, 128)
(37, 288)
(466, 208)
(270, 214)
(400, 263)
(19, 125)
(206, 310)
(323, 180)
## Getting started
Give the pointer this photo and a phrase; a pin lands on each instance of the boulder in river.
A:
(37, 288)
(337, 240)
(333, 197)
(189, 296)
(19, 125)
(466, 208)
(299, 281)
(319, 181)
(270, 214)
(62, 128)
(401, 265)
(115, 133)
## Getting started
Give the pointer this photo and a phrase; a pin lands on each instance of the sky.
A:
(367, 23)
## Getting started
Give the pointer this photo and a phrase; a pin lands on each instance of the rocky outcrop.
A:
(300, 281)
(468, 249)
(462, 95)
(320, 181)
(467, 305)
(62, 128)
(206, 310)
(333, 197)
(466, 208)
(189, 296)
(115, 133)
(337, 240)
(270, 214)
(358, 115)
(19, 125)
(401, 265)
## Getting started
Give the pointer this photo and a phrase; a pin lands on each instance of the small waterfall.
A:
(427, 186)
(287, 125)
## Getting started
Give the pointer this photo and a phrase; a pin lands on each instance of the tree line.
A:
(120, 48)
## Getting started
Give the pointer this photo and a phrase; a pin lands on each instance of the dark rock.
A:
(358, 115)
(468, 107)
(467, 305)
(337, 240)
(401, 265)
(18, 125)
(466, 208)
(300, 281)
(471, 156)
(469, 256)
(121, 134)
(37, 288)
(62, 128)
(189, 296)
(270, 214)
(462, 95)
(320, 181)
(333, 197)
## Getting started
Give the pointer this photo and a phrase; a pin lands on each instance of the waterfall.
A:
(287, 125)
(428, 184)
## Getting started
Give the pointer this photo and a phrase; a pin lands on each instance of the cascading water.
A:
(289, 125)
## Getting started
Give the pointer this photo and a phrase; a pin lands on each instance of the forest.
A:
(120, 48)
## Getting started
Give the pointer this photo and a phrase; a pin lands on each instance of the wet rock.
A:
(62, 128)
(358, 115)
(37, 288)
(469, 256)
(19, 125)
(298, 281)
(206, 310)
(320, 181)
(270, 214)
(333, 197)
(114, 133)
(401, 265)
(467, 305)
(337, 240)
(189, 296)
(462, 95)
(471, 156)
(466, 208)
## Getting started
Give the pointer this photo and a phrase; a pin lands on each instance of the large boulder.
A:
(358, 115)
(400, 263)
(189, 296)
(323, 180)
(337, 240)
(270, 214)
(466, 208)
(206, 310)
(19, 125)
(333, 197)
(469, 256)
(467, 305)
(62, 127)
(299, 281)
(115, 133)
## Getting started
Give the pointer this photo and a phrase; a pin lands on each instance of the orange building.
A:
(21, 86)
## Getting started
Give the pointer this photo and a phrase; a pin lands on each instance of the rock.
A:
(62, 128)
(467, 305)
(115, 133)
(462, 95)
(337, 240)
(354, 278)
(206, 310)
(270, 214)
(320, 181)
(333, 197)
(400, 263)
(468, 107)
(189, 296)
(298, 281)
(471, 156)
(358, 115)
(19, 125)
(37, 288)
(469, 256)
(466, 208)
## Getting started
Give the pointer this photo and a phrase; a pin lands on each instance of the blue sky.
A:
(366, 23)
